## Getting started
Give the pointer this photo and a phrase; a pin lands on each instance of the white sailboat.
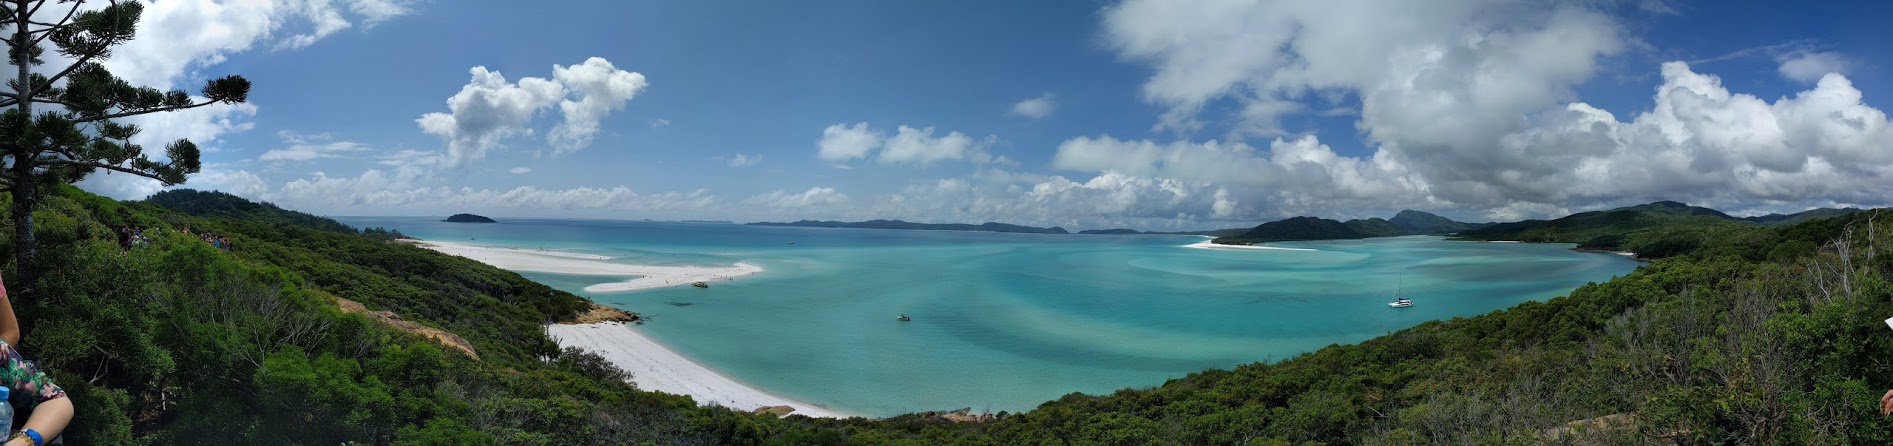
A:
(1398, 301)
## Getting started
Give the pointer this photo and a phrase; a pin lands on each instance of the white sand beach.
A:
(1207, 245)
(654, 367)
(542, 261)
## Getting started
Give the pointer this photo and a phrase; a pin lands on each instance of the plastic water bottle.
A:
(6, 411)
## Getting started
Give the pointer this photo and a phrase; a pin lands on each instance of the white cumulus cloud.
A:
(1457, 63)
(1035, 108)
(601, 88)
(841, 142)
(908, 145)
(1810, 66)
(490, 109)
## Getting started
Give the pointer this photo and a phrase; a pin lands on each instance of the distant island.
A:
(468, 218)
(898, 224)
(1407, 222)
(1642, 229)
(1208, 232)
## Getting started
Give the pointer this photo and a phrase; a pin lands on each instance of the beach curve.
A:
(541, 261)
(1206, 244)
(655, 367)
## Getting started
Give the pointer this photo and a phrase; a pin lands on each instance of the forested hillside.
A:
(178, 342)
(1754, 335)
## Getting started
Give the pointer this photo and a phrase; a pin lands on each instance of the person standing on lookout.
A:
(51, 409)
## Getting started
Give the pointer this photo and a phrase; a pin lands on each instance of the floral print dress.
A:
(25, 377)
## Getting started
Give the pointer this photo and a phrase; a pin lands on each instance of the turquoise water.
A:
(1008, 321)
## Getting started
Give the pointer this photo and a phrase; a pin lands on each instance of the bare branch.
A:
(35, 10)
(62, 22)
(140, 112)
(69, 69)
(101, 166)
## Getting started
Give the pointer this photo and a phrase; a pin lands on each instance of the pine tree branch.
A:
(69, 69)
(101, 166)
(12, 99)
(140, 112)
(35, 10)
(62, 22)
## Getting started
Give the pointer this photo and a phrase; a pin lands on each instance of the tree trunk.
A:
(24, 199)
(25, 245)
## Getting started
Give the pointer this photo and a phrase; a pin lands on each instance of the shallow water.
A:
(1008, 321)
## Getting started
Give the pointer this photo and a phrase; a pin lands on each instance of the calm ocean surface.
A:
(1008, 321)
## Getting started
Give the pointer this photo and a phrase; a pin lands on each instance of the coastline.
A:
(1206, 244)
(554, 262)
(653, 366)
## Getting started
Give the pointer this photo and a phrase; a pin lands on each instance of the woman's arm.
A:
(48, 419)
(9, 326)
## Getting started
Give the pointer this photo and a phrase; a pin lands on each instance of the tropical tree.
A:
(57, 124)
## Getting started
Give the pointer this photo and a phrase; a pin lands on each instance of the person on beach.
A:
(51, 410)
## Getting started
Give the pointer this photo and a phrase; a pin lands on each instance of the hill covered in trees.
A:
(1407, 222)
(1758, 335)
(1417, 222)
(468, 218)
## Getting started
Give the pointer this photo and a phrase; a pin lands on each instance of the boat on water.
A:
(700, 285)
(1399, 301)
(903, 317)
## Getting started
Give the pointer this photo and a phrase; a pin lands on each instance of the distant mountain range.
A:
(1604, 230)
(898, 224)
(1800, 217)
(1640, 229)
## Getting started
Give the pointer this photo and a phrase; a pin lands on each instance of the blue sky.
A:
(1151, 114)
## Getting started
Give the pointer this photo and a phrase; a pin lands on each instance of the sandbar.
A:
(578, 264)
(654, 367)
(1206, 244)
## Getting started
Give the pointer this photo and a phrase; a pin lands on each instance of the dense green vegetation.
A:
(1211, 232)
(1297, 228)
(1758, 335)
(180, 343)
(1801, 217)
(1375, 227)
(66, 121)
(898, 224)
(1654, 230)
(468, 218)
(1417, 222)
(1407, 222)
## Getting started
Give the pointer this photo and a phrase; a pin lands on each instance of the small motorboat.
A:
(904, 318)
(700, 285)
